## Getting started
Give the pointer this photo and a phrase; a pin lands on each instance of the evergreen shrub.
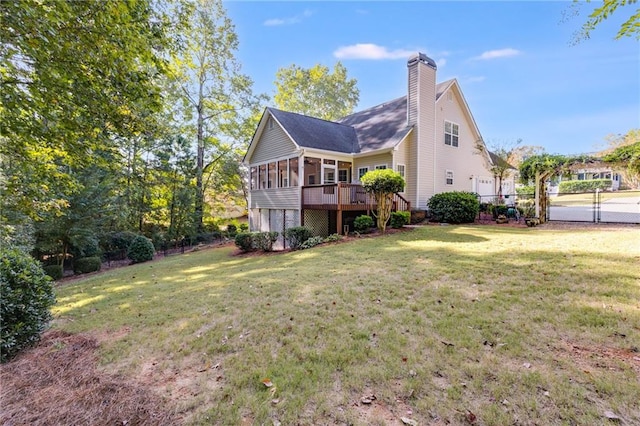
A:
(296, 236)
(85, 265)
(454, 207)
(363, 224)
(140, 250)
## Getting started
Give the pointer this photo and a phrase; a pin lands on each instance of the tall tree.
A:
(316, 91)
(216, 98)
(75, 76)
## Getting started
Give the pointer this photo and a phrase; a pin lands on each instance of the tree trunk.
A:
(199, 202)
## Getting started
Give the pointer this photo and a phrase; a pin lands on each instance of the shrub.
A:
(264, 240)
(332, 238)
(399, 219)
(244, 227)
(296, 236)
(244, 241)
(363, 224)
(575, 186)
(27, 295)
(54, 271)
(232, 230)
(140, 250)
(526, 190)
(312, 242)
(454, 207)
(87, 264)
(122, 240)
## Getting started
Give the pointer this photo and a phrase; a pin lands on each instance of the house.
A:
(306, 171)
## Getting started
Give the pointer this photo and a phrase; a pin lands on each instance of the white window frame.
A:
(453, 133)
(360, 174)
(448, 176)
(401, 173)
(380, 167)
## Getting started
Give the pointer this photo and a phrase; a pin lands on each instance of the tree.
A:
(316, 91)
(502, 157)
(74, 75)
(629, 28)
(626, 160)
(216, 98)
(383, 184)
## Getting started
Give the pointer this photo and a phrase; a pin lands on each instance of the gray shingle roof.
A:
(311, 132)
(380, 127)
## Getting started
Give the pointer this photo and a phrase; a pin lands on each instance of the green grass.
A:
(518, 326)
(587, 198)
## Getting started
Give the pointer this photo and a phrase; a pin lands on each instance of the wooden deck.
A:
(345, 197)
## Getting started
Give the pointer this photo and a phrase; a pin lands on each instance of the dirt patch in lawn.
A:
(57, 382)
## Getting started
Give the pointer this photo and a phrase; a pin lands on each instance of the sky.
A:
(519, 71)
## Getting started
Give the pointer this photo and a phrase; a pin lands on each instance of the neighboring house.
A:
(597, 170)
(306, 171)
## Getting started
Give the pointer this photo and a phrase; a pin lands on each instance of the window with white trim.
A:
(451, 133)
(381, 166)
(362, 171)
(448, 176)
(400, 169)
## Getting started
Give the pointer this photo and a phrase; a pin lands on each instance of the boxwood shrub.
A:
(27, 295)
(363, 224)
(264, 240)
(244, 241)
(54, 271)
(85, 265)
(140, 250)
(454, 207)
(296, 236)
(399, 219)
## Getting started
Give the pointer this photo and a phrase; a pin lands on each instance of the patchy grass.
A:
(586, 199)
(443, 324)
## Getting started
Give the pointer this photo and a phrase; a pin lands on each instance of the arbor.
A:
(382, 184)
(629, 28)
(316, 91)
(215, 97)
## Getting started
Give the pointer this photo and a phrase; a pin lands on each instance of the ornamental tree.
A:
(382, 184)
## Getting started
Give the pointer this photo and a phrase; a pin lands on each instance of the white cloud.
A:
(371, 51)
(499, 53)
(274, 22)
(441, 62)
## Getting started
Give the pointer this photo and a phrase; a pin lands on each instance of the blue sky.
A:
(519, 72)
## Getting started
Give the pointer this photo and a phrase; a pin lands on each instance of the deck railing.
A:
(345, 196)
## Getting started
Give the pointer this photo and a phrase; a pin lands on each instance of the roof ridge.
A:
(308, 116)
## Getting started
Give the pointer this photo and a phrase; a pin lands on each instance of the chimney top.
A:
(421, 57)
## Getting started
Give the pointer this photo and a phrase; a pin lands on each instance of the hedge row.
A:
(575, 186)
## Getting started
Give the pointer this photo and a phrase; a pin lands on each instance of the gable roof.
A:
(311, 132)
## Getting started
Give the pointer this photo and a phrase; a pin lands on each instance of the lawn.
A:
(438, 325)
(586, 199)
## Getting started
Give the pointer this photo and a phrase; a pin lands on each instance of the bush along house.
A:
(306, 171)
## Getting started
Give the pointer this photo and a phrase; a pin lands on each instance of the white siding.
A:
(371, 162)
(426, 149)
(276, 198)
(273, 143)
(464, 160)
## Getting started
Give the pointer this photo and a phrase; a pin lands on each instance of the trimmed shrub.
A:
(140, 250)
(296, 236)
(526, 190)
(87, 264)
(363, 224)
(244, 241)
(454, 207)
(122, 240)
(27, 295)
(399, 219)
(264, 240)
(312, 242)
(54, 271)
(575, 186)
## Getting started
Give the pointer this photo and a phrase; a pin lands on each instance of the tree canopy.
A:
(316, 91)
(382, 184)
(629, 28)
